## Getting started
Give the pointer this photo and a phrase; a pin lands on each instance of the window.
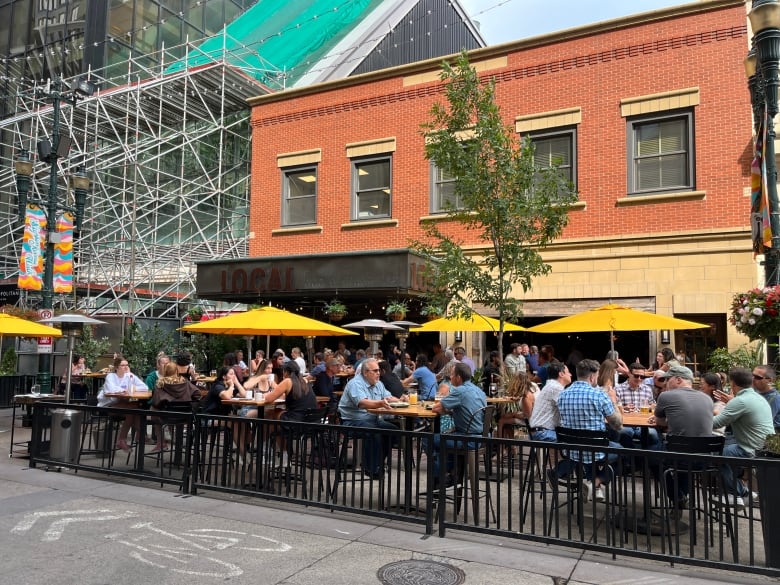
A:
(661, 154)
(443, 197)
(556, 150)
(371, 186)
(299, 197)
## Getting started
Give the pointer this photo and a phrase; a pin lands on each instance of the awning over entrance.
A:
(314, 278)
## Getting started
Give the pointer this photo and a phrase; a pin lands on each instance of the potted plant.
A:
(396, 310)
(335, 310)
(432, 311)
(756, 313)
(768, 478)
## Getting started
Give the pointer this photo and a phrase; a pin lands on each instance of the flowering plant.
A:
(756, 313)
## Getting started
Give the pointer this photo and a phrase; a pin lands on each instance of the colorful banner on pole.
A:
(63, 255)
(33, 245)
(759, 197)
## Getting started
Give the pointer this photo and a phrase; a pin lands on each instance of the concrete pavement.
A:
(69, 528)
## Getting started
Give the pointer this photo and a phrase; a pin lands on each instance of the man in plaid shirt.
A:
(584, 406)
(631, 394)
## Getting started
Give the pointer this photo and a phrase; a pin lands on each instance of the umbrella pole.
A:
(249, 353)
(71, 343)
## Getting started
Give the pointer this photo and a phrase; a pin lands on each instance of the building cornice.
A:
(494, 51)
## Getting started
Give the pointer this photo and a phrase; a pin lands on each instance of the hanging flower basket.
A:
(396, 310)
(335, 310)
(756, 313)
(337, 315)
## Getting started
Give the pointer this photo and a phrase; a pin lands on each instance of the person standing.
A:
(514, 362)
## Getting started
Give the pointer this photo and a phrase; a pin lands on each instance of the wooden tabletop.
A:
(130, 397)
(502, 399)
(31, 399)
(416, 410)
(93, 374)
(636, 419)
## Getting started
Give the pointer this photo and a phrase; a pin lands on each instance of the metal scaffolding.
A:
(169, 153)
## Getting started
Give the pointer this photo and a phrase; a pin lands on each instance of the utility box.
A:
(66, 434)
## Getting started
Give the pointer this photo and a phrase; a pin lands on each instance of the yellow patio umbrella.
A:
(267, 321)
(614, 318)
(475, 322)
(18, 327)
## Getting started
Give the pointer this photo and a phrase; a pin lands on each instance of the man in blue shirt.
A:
(584, 406)
(425, 378)
(465, 403)
(362, 392)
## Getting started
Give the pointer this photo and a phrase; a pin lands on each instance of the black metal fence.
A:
(650, 504)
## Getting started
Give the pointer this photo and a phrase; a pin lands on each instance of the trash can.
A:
(65, 434)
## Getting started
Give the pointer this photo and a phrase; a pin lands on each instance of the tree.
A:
(514, 206)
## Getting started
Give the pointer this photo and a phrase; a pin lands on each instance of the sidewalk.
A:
(77, 529)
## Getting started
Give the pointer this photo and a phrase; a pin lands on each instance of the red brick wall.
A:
(593, 72)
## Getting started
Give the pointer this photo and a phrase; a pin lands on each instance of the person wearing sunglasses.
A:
(362, 392)
(632, 394)
(764, 383)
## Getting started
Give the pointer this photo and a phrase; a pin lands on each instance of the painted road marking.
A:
(57, 527)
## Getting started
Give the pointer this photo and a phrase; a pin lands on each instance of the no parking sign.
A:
(45, 343)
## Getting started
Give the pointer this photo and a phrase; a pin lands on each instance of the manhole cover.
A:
(420, 573)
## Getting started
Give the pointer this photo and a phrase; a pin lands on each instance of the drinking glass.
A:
(413, 397)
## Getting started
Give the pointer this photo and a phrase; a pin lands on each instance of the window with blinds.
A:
(371, 188)
(557, 150)
(661, 154)
(299, 196)
(443, 196)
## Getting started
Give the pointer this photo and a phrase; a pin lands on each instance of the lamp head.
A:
(23, 166)
(83, 87)
(764, 14)
(80, 183)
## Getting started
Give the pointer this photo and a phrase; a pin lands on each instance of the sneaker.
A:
(587, 490)
(738, 503)
(600, 497)
(754, 499)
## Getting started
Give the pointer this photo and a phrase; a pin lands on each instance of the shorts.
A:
(245, 410)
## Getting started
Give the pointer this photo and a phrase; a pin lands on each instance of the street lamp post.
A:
(762, 66)
(80, 182)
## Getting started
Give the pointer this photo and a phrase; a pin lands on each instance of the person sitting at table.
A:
(544, 414)
(513, 414)
(263, 380)
(362, 392)
(632, 394)
(710, 383)
(159, 371)
(224, 387)
(750, 418)
(404, 367)
(584, 406)
(390, 380)
(171, 387)
(681, 410)
(121, 382)
(278, 359)
(255, 362)
(320, 363)
(78, 389)
(465, 403)
(424, 377)
(491, 373)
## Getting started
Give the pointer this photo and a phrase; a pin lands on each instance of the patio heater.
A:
(373, 330)
(71, 325)
(403, 335)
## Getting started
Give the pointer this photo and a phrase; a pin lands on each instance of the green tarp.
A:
(280, 36)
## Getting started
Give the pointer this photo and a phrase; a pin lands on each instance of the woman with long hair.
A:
(122, 382)
(709, 383)
(511, 414)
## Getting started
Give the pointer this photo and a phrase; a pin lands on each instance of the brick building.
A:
(650, 114)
